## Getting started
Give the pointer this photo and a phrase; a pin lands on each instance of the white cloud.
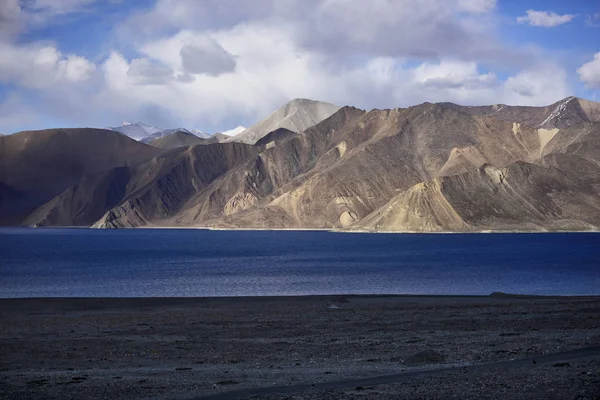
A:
(452, 74)
(589, 73)
(545, 19)
(214, 64)
(41, 66)
(537, 86)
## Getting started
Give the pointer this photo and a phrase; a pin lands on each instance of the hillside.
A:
(431, 167)
(147, 192)
(35, 166)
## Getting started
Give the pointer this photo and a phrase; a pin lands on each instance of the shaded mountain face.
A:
(35, 166)
(176, 139)
(296, 116)
(276, 136)
(150, 191)
(432, 167)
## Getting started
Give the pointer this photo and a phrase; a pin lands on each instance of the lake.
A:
(189, 262)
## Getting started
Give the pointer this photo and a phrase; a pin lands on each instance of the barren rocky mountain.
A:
(431, 167)
(35, 166)
(151, 191)
(297, 116)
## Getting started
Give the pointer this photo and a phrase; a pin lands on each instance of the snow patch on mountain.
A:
(234, 131)
(558, 111)
(137, 130)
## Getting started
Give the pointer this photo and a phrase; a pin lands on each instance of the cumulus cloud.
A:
(537, 86)
(545, 19)
(589, 73)
(145, 72)
(41, 66)
(214, 64)
(451, 75)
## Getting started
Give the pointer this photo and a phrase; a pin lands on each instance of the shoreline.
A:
(330, 230)
(173, 300)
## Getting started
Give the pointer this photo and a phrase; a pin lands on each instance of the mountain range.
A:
(427, 168)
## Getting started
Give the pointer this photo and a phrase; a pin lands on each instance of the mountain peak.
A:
(297, 115)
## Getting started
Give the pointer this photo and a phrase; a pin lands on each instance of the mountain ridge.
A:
(432, 167)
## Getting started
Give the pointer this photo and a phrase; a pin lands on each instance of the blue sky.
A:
(216, 64)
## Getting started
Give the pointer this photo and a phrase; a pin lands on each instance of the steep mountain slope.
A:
(176, 139)
(521, 196)
(40, 164)
(147, 192)
(297, 116)
(373, 157)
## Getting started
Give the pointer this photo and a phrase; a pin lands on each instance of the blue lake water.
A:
(153, 262)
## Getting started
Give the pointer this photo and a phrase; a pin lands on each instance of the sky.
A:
(215, 64)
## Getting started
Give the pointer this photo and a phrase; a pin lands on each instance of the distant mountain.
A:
(147, 133)
(199, 133)
(176, 139)
(168, 132)
(297, 116)
(218, 138)
(35, 166)
(136, 131)
(426, 168)
(234, 131)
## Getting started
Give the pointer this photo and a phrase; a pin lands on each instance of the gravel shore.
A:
(181, 348)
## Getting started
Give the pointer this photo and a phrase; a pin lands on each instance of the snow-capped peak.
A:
(137, 131)
(558, 111)
(234, 131)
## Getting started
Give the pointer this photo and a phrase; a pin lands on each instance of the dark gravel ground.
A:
(186, 348)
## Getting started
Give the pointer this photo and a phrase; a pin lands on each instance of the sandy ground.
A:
(192, 348)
